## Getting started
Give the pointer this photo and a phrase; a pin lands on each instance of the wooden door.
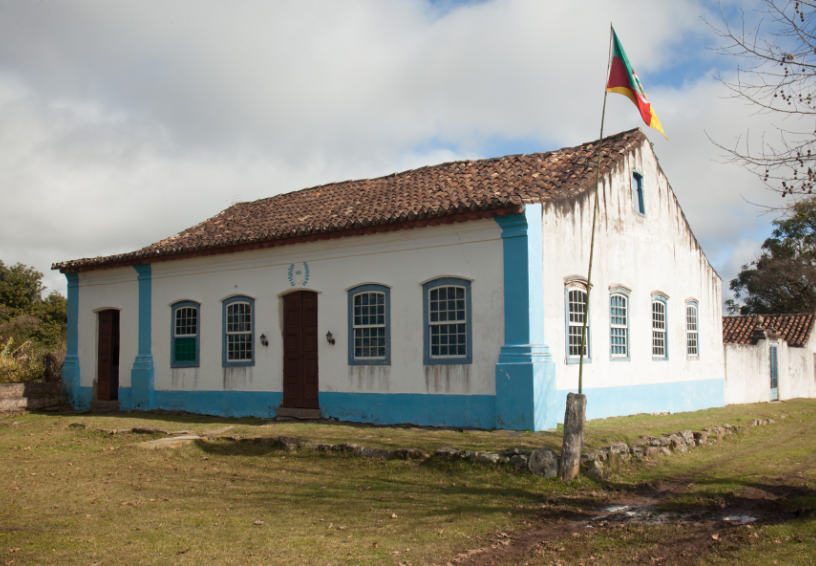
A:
(300, 383)
(107, 386)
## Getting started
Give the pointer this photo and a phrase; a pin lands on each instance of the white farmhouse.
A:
(450, 295)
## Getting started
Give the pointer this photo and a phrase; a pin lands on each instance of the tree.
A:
(783, 278)
(780, 79)
(20, 288)
(24, 314)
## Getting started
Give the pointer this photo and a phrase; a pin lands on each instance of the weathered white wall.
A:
(801, 376)
(748, 371)
(402, 260)
(100, 290)
(648, 254)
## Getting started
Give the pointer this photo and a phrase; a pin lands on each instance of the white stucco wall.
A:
(100, 290)
(646, 254)
(801, 376)
(747, 369)
(402, 260)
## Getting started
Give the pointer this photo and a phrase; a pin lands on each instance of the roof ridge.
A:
(428, 193)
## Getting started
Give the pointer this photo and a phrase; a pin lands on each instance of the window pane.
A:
(577, 306)
(239, 318)
(185, 349)
(239, 347)
(186, 321)
(575, 341)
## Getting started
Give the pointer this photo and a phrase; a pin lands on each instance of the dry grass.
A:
(79, 496)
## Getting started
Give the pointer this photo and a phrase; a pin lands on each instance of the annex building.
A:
(449, 295)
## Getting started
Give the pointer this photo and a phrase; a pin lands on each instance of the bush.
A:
(21, 365)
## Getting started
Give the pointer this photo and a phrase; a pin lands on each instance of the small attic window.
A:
(637, 193)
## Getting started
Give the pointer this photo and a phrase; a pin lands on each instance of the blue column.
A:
(525, 374)
(141, 376)
(70, 370)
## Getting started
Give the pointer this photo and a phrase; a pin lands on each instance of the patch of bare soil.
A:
(560, 535)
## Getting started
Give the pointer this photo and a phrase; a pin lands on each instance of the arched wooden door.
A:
(300, 384)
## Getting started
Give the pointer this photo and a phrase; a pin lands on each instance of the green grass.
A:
(81, 496)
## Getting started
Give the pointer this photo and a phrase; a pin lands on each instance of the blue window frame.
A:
(637, 193)
(238, 349)
(185, 335)
(660, 326)
(448, 327)
(619, 325)
(692, 330)
(575, 308)
(369, 325)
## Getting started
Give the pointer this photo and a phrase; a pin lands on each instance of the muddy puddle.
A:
(650, 515)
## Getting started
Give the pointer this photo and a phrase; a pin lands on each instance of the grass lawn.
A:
(72, 495)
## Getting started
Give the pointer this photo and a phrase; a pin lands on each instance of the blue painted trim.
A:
(197, 362)
(82, 397)
(676, 397)
(696, 305)
(525, 372)
(379, 408)
(142, 374)
(421, 409)
(225, 304)
(625, 293)
(426, 349)
(70, 370)
(364, 289)
(638, 194)
(262, 404)
(576, 359)
(659, 297)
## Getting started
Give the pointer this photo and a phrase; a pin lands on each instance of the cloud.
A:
(121, 124)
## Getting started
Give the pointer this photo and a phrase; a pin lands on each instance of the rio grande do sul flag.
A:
(624, 80)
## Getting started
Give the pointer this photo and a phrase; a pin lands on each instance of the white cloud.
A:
(123, 123)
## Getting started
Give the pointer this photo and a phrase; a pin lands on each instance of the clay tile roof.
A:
(793, 328)
(433, 192)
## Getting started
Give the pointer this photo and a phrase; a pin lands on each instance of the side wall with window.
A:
(644, 250)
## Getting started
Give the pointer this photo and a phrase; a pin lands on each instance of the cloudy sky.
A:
(122, 123)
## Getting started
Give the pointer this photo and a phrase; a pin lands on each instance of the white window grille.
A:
(619, 315)
(239, 332)
(658, 329)
(691, 330)
(447, 318)
(369, 326)
(576, 306)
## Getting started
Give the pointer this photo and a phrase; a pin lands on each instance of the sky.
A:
(122, 123)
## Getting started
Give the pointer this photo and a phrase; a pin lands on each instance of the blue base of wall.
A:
(221, 403)
(421, 409)
(432, 410)
(81, 398)
(675, 397)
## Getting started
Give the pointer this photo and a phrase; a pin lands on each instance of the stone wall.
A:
(22, 396)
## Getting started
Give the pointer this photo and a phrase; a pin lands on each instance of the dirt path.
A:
(562, 536)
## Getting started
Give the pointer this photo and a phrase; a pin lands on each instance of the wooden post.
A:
(570, 463)
(575, 416)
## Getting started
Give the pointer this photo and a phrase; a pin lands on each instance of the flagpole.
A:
(594, 219)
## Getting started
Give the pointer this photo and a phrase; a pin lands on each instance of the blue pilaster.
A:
(525, 374)
(70, 370)
(142, 395)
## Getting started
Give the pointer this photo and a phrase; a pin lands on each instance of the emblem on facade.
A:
(298, 274)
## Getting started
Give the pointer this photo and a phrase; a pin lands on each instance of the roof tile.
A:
(793, 328)
(428, 192)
